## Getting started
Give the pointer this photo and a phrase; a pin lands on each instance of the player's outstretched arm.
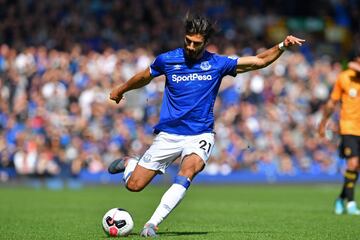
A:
(328, 109)
(137, 81)
(265, 58)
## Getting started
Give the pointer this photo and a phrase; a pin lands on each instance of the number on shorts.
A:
(203, 144)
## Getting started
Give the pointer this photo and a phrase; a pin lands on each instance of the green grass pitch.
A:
(207, 212)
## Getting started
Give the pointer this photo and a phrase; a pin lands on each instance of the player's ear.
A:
(206, 41)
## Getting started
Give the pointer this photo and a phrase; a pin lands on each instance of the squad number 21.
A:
(203, 145)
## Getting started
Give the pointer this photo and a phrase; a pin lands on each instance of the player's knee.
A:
(353, 167)
(187, 172)
(190, 172)
(353, 164)
(134, 186)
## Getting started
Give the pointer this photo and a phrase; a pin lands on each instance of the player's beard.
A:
(194, 54)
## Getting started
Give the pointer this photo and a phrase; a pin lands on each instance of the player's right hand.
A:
(116, 96)
(321, 129)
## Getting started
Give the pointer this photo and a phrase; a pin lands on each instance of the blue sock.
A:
(183, 181)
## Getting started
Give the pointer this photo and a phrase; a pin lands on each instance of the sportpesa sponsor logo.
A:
(191, 77)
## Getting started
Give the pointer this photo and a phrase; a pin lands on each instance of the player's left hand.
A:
(291, 41)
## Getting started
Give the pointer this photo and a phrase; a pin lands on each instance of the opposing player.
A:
(185, 128)
(347, 90)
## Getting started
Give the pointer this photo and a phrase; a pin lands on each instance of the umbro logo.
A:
(177, 67)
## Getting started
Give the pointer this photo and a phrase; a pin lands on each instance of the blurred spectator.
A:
(59, 60)
(105, 25)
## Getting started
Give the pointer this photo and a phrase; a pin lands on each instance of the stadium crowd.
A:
(56, 75)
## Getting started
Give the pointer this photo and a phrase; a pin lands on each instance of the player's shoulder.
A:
(175, 53)
(220, 57)
(346, 75)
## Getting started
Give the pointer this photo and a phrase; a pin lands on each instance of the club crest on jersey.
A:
(347, 151)
(205, 65)
(147, 157)
(177, 67)
(352, 92)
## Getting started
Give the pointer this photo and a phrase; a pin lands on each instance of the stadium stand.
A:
(59, 60)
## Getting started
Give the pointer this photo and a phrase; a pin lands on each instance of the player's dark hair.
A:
(199, 25)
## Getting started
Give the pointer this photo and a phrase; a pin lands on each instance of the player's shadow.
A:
(169, 234)
(166, 234)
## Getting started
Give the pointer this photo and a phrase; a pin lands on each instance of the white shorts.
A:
(167, 147)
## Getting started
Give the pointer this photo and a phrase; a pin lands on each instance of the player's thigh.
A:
(164, 150)
(140, 178)
(191, 165)
(201, 145)
(196, 152)
(352, 163)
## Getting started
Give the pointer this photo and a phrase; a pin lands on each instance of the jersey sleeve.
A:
(336, 91)
(157, 67)
(229, 67)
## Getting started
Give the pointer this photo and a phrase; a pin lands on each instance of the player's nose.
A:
(190, 46)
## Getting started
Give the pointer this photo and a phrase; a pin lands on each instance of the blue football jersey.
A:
(190, 90)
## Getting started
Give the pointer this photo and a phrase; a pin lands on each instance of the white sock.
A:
(170, 199)
(132, 162)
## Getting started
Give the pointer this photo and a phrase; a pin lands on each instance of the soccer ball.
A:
(117, 222)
